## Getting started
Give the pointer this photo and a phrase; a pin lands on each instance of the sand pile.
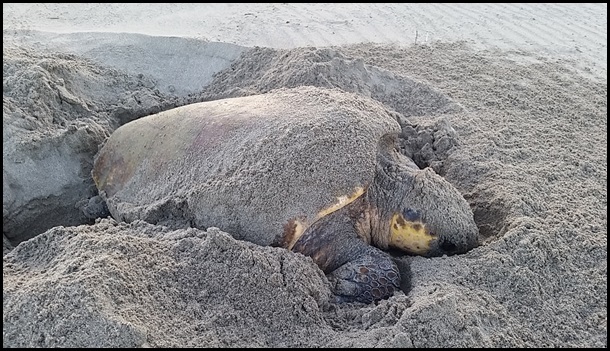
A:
(57, 109)
(522, 137)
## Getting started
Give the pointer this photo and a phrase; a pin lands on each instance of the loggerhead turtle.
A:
(313, 170)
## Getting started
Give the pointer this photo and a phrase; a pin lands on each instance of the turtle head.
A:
(417, 211)
(432, 218)
(421, 213)
(410, 233)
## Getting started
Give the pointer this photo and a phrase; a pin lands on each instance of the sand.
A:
(508, 102)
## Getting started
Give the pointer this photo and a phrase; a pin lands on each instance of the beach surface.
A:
(508, 102)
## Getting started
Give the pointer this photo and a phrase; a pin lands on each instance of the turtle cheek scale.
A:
(411, 234)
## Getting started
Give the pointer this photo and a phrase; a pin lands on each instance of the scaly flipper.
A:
(360, 272)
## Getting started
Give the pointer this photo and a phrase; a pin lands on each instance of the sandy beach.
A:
(507, 102)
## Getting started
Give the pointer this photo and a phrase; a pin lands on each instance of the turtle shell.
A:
(259, 167)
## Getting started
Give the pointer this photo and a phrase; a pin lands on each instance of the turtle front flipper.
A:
(359, 272)
(372, 276)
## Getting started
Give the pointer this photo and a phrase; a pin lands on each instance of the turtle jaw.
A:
(410, 233)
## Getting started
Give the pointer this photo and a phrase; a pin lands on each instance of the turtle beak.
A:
(447, 247)
(444, 246)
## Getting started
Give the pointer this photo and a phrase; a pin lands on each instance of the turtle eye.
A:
(411, 215)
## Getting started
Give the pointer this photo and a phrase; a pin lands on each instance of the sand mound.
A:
(57, 109)
(119, 285)
(265, 69)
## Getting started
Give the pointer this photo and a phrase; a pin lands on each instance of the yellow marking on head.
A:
(409, 236)
(342, 201)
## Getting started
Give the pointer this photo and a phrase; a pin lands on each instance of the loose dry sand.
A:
(514, 115)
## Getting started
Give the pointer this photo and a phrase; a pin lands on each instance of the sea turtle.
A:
(313, 170)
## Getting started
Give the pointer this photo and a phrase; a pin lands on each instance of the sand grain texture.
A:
(511, 120)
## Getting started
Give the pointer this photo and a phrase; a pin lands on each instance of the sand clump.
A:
(128, 285)
(523, 140)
